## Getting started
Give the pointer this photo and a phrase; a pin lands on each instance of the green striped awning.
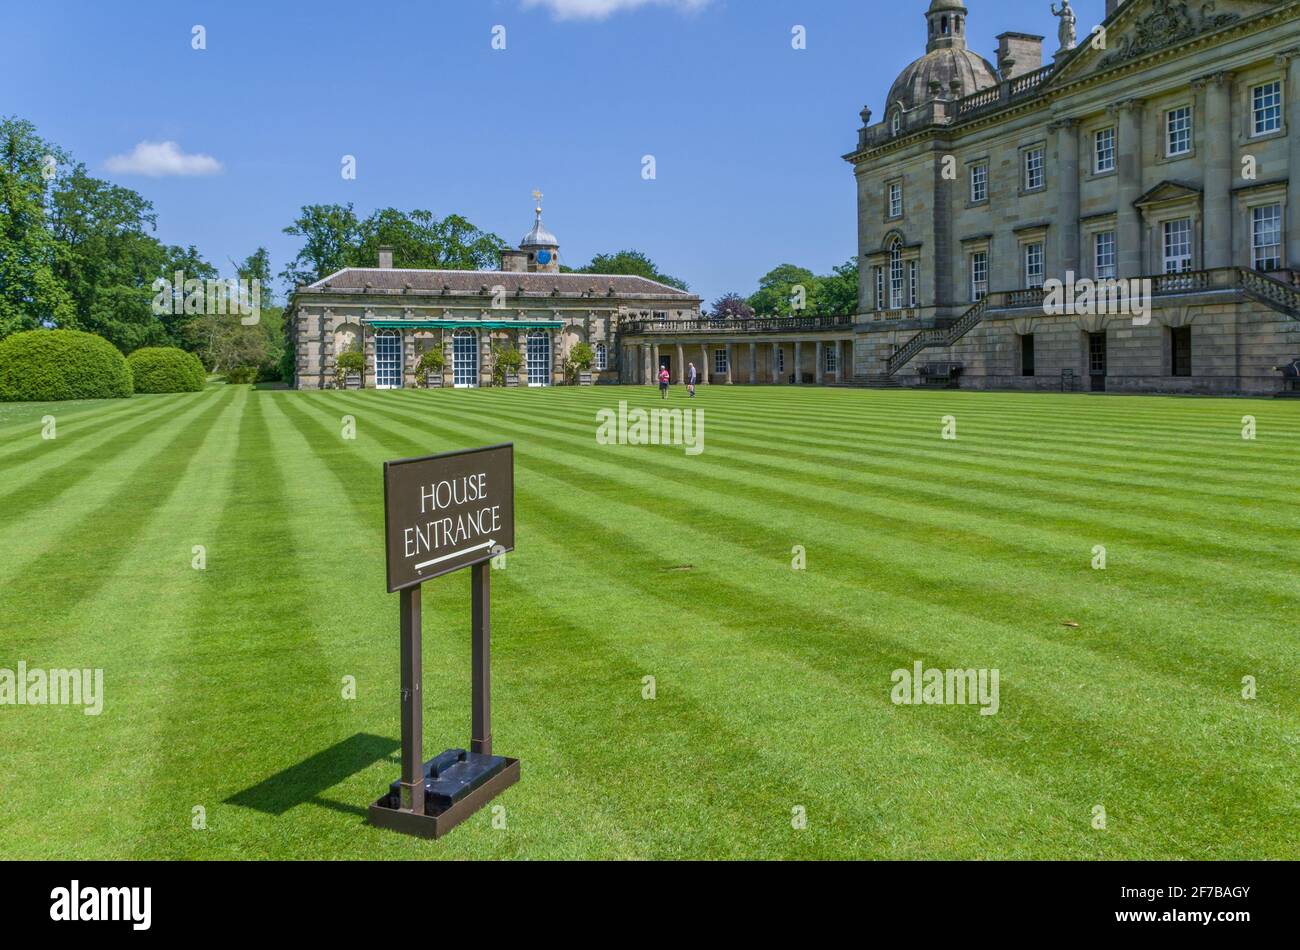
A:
(467, 324)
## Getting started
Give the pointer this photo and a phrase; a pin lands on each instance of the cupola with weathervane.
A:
(540, 245)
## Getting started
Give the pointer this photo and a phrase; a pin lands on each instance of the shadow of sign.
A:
(303, 783)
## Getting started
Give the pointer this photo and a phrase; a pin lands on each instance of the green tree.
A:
(632, 263)
(335, 238)
(31, 294)
(776, 292)
(420, 239)
(110, 260)
(837, 292)
(330, 233)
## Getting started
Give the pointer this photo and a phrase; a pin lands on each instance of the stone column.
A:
(647, 378)
(484, 357)
(368, 347)
(409, 356)
(1217, 236)
(818, 369)
(728, 364)
(798, 362)
(556, 341)
(1292, 93)
(1129, 219)
(704, 369)
(753, 363)
(1067, 199)
(681, 365)
(776, 358)
(654, 365)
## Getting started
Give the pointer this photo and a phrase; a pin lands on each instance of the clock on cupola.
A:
(540, 245)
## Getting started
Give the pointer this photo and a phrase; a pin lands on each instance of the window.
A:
(979, 276)
(1178, 131)
(1034, 176)
(831, 358)
(464, 358)
(538, 355)
(1104, 151)
(388, 359)
(979, 183)
(1266, 237)
(1266, 108)
(1097, 354)
(880, 289)
(1104, 254)
(895, 199)
(602, 358)
(1027, 355)
(896, 275)
(1178, 245)
(780, 360)
(1034, 264)
(912, 272)
(896, 123)
(1180, 345)
(720, 361)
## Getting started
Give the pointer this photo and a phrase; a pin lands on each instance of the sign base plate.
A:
(436, 821)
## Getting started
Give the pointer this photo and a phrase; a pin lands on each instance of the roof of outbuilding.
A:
(461, 282)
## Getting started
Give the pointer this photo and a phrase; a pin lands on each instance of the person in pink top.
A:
(663, 382)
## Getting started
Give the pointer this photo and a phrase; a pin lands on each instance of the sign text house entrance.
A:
(442, 514)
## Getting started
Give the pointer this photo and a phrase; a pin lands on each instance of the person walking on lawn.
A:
(691, 376)
(664, 378)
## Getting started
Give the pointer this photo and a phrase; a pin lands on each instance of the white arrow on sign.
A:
(448, 557)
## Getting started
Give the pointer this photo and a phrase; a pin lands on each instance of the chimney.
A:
(1019, 53)
(385, 257)
(514, 261)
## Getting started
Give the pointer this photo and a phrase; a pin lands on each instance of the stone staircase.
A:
(1281, 296)
(937, 336)
(876, 381)
(1277, 294)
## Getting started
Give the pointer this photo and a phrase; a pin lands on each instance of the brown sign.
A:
(446, 512)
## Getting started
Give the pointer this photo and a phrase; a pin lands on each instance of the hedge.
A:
(166, 369)
(61, 364)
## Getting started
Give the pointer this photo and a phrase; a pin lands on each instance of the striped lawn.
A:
(1119, 688)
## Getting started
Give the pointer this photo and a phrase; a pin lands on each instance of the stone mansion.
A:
(1166, 144)
(1159, 151)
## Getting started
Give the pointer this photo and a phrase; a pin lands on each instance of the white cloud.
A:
(600, 9)
(161, 159)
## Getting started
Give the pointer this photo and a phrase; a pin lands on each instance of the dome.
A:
(944, 66)
(539, 236)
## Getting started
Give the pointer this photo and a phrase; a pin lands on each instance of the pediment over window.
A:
(1167, 193)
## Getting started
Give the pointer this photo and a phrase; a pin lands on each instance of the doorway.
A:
(1097, 361)
(388, 360)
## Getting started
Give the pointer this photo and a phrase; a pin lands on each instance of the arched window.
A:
(602, 358)
(538, 358)
(944, 28)
(896, 123)
(896, 281)
(388, 359)
(464, 359)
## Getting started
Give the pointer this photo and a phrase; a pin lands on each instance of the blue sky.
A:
(746, 132)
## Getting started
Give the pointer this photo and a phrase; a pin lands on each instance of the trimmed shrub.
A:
(350, 362)
(61, 364)
(166, 369)
(242, 374)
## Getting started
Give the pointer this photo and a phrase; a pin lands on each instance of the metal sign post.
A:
(442, 514)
